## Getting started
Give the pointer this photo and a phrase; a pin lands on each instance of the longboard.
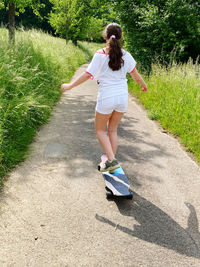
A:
(117, 184)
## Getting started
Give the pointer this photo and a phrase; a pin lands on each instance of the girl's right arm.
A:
(139, 80)
(82, 78)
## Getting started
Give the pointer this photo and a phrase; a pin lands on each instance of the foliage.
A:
(15, 7)
(29, 20)
(101, 15)
(80, 19)
(21, 4)
(153, 29)
(69, 18)
(93, 32)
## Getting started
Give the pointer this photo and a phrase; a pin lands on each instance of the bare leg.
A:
(100, 128)
(112, 129)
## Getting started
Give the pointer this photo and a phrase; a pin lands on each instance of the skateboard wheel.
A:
(108, 189)
(130, 196)
(109, 195)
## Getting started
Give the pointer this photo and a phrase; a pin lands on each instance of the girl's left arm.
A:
(81, 79)
(139, 80)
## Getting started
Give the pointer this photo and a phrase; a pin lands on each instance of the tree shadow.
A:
(130, 136)
(193, 224)
(85, 50)
(82, 136)
(72, 123)
(157, 227)
(73, 119)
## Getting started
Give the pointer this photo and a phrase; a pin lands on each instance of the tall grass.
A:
(65, 58)
(174, 100)
(31, 72)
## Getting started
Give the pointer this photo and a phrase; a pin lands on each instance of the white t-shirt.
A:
(111, 83)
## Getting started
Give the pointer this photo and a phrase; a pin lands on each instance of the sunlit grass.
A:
(31, 73)
(66, 58)
(174, 100)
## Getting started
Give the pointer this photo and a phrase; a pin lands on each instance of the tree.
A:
(156, 28)
(30, 20)
(93, 32)
(15, 7)
(70, 17)
(101, 14)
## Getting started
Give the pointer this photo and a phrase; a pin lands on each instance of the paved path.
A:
(53, 207)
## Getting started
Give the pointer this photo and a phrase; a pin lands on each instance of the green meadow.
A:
(31, 73)
(173, 99)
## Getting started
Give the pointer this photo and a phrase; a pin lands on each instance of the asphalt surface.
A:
(53, 207)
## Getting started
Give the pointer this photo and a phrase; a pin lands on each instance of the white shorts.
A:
(108, 105)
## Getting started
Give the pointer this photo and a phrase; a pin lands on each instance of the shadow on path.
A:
(156, 227)
(72, 125)
(78, 114)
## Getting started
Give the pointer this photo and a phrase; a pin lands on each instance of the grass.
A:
(174, 100)
(31, 73)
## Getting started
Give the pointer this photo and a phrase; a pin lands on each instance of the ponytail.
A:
(113, 33)
(115, 54)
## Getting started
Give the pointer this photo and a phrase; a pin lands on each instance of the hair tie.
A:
(112, 36)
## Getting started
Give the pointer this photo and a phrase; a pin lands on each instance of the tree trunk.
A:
(12, 23)
(66, 34)
(75, 42)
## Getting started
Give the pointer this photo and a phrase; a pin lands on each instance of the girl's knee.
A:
(112, 130)
(99, 132)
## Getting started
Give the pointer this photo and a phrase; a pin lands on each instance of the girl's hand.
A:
(66, 87)
(144, 89)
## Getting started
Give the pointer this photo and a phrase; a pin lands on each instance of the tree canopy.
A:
(21, 4)
(153, 29)
(15, 7)
(79, 19)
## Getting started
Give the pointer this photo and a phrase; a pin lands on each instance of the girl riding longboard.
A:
(109, 67)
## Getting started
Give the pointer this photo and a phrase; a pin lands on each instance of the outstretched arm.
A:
(81, 79)
(139, 80)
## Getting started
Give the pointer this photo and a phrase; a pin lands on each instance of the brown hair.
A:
(113, 33)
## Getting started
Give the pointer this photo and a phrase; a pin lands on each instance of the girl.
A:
(109, 67)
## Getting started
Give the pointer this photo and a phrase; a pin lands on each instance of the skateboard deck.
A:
(117, 184)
